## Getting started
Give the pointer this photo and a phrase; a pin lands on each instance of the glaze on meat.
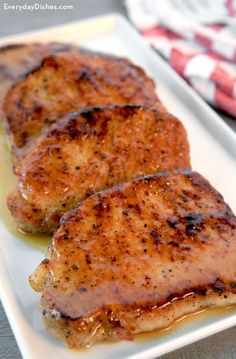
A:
(16, 59)
(90, 151)
(137, 257)
(67, 82)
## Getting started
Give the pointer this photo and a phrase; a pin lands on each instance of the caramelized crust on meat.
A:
(89, 151)
(137, 257)
(71, 81)
(15, 59)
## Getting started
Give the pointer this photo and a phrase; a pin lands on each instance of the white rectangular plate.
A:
(213, 153)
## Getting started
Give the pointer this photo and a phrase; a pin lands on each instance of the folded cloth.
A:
(204, 55)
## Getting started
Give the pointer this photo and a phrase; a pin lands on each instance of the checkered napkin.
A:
(204, 55)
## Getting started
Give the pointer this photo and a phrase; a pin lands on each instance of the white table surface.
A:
(219, 346)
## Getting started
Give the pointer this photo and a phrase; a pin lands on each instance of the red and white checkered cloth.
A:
(204, 55)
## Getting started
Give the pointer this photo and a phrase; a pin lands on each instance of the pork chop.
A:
(16, 59)
(137, 257)
(89, 151)
(68, 82)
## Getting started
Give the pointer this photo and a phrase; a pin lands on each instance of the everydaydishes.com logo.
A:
(36, 6)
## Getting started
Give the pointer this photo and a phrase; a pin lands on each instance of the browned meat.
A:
(15, 59)
(71, 81)
(137, 257)
(89, 151)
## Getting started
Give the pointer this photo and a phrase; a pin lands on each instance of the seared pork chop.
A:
(89, 151)
(68, 82)
(15, 59)
(137, 257)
